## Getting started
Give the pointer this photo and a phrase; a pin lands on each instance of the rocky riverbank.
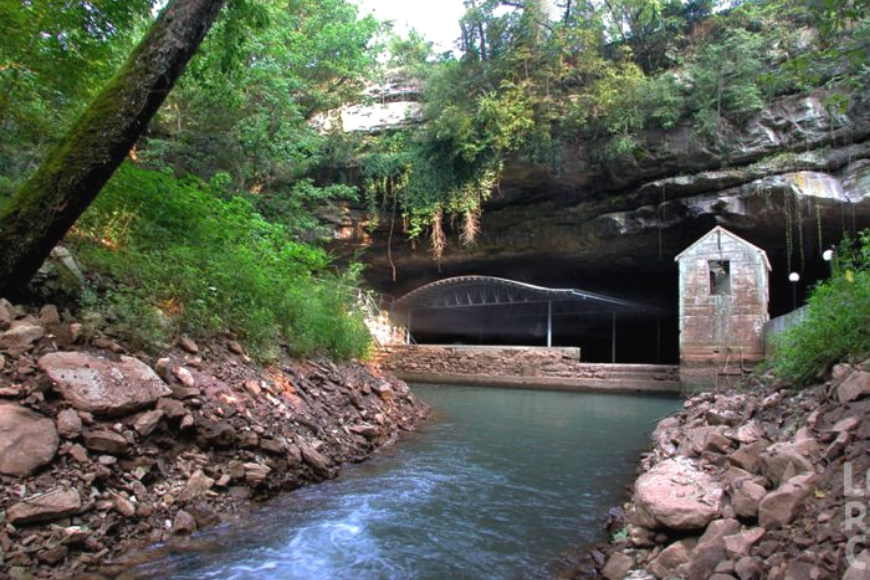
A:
(751, 484)
(103, 450)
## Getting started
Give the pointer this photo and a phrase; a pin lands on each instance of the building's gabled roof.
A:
(730, 234)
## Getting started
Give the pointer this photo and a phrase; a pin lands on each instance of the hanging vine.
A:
(798, 200)
(788, 230)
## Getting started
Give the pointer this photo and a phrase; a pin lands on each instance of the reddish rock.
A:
(184, 376)
(747, 568)
(182, 393)
(855, 386)
(276, 446)
(618, 566)
(187, 423)
(253, 387)
(48, 314)
(69, 424)
(255, 473)
(45, 507)
(197, 485)
(183, 524)
(78, 453)
(781, 461)
(846, 425)
(779, 507)
(738, 545)
(171, 408)
(124, 506)
(641, 537)
(745, 497)
(314, 458)
(747, 433)
(53, 555)
(748, 456)
(710, 550)
(217, 433)
(7, 314)
(20, 338)
(666, 563)
(145, 423)
(101, 386)
(105, 441)
(678, 495)
(188, 345)
(28, 440)
(726, 417)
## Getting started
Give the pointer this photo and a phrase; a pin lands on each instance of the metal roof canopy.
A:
(470, 292)
(478, 291)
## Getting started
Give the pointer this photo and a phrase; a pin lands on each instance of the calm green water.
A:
(496, 486)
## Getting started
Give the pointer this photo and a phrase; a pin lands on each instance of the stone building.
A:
(723, 307)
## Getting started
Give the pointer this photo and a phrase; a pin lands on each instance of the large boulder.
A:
(676, 494)
(101, 386)
(46, 507)
(28, 440)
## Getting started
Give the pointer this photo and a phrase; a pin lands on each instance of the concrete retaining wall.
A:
(781, 324)
(523, 367)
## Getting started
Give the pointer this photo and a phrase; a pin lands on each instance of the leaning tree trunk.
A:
(48, 204)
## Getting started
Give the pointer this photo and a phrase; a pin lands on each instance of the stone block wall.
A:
(529, 367)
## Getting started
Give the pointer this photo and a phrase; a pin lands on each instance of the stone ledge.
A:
(615, 385)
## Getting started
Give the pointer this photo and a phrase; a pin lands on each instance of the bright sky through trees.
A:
(437, 21)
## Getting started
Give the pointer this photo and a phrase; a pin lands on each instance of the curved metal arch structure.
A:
(475, 291)
(456, 301)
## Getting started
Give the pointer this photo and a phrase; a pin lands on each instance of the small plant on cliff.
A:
(835, 326)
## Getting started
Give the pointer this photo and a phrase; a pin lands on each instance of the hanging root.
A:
(470, 227)
(438, 239)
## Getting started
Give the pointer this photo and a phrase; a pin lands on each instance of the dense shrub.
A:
(178, 255)
(837, 321)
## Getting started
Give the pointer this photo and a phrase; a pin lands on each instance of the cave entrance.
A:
(485, 310)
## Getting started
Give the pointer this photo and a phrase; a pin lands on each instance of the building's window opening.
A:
(720, 277)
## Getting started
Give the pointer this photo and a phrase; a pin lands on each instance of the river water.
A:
(496, 486)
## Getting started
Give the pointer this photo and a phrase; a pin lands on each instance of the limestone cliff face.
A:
(792, 180)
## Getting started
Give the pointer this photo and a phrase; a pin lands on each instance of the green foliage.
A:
(244, 105)
(725, 75)
(835, 324)
(54, 56)
(182, 251)
(297, 207)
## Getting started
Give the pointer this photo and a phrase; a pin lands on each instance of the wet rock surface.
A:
(104, 451)
(587, 221)
(780, 478)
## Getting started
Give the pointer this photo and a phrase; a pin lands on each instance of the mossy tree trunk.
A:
(74, 171)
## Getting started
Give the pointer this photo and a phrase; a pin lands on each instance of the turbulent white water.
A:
(495, 487)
